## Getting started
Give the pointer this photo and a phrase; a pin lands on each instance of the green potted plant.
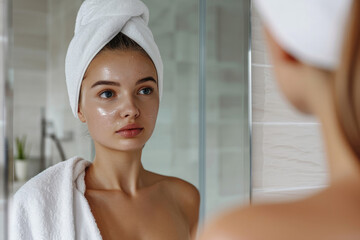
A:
(21, 159)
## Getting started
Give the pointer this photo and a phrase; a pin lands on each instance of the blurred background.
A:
(216, 160)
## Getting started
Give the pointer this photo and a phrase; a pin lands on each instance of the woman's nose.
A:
(128, 108)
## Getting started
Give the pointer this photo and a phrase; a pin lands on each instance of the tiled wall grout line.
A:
(268, 190)
(262, 65)
(286, 123)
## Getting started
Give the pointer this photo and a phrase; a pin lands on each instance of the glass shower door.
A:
(228, 104)
(203, 129)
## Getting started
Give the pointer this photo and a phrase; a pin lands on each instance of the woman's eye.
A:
(146, 91)
(106, 94)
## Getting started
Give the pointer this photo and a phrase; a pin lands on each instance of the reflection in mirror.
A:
(48, 133)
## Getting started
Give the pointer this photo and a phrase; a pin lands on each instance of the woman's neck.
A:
(115, 170)
(343, 164)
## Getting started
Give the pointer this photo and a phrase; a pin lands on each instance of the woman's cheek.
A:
(104, 117)
(98, 119)
(151, 112)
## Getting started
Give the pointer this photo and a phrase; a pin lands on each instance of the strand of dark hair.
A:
(347, 82)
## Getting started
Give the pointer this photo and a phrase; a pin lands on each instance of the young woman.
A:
(114, 87)
(315, 49)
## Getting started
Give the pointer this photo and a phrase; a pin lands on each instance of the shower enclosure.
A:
(203, 128)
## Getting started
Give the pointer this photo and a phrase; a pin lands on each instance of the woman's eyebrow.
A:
(103, 82)
(145, 80)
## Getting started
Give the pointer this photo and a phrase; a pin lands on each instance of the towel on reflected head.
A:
(52, 205)
(311, 30)
(97, 22)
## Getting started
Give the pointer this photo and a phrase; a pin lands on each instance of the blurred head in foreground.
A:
(314, 46)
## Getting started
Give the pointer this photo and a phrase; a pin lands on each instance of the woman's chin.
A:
(123, 144)
(129, 146)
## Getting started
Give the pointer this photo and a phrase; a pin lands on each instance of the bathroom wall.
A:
(71, 132)
(29, 66)
(288, 155)
(42, 32)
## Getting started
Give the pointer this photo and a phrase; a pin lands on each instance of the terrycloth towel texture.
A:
(97, 22)
(311, 30)
(49, 206)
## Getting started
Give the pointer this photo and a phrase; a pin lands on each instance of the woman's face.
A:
(119, 99)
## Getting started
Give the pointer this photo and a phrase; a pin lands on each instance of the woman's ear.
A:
(80, 114)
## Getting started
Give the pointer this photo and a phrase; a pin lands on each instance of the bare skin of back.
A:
(333, 214)
(166, 208)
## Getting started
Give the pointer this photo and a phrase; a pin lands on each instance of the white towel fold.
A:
(310, 30)
(45, 207)
(97, 22)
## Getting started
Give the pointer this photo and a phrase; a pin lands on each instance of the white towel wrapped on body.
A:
(52, 205)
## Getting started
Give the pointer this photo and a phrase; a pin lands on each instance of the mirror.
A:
(202, 133)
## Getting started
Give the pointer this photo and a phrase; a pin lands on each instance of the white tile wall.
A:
(283, 194)
(61, 22)
(32, 5)
(259, 53)
(288, 156)
(30, 22)
(29, 59)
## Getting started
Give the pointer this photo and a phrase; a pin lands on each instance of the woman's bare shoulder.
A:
(178, 187)
(183, 193)
(187, 197)
(187, 194)
(182, 188)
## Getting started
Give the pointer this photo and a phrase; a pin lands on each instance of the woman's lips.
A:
(131, 130)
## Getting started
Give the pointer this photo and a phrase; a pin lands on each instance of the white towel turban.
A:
(97, 22)
(310, 30)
